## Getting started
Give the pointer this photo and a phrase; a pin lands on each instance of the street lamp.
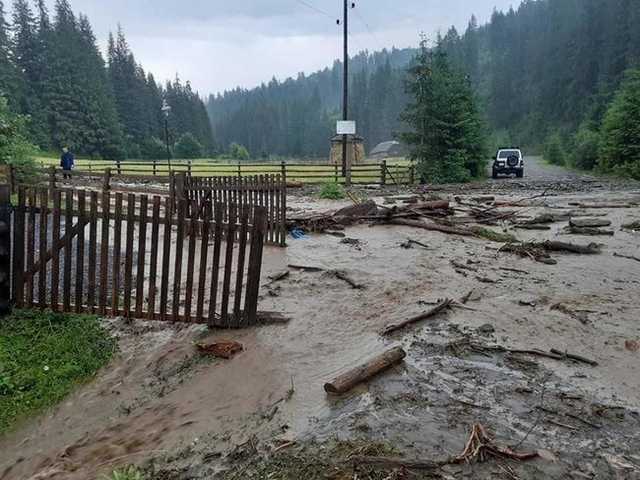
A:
(166, 109)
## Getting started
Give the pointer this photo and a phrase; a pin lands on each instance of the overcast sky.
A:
(221, 44)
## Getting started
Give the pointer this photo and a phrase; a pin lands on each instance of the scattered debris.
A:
(524, 226)
(410, 243)
(221, 349)
(441, 307)
(635, 226)
(580, 316)
(486, 329)
(352, 242)
(587, 231)
(575, 357)
(462, 266)
(268, 318)
(362, 373)
(307, 268)
(276, 277)
(602, 205)
(632, 345)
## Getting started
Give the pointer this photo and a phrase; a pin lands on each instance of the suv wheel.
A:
(494, 174)
(520, 174)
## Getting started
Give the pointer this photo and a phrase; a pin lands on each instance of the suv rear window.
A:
(508, 153)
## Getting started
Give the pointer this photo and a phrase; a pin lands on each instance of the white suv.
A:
(508, 161)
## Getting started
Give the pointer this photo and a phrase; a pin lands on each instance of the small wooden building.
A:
(355, 150)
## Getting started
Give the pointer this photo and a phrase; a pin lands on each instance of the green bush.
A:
(332, 191)
(553, 150)
(15, 149)
(585, 149)
(43, 356)
(153, 149)
(238, 152)
(620, 147)
(188, 146)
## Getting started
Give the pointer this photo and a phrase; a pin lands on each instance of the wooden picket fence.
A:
(266, 191)
(116, 255)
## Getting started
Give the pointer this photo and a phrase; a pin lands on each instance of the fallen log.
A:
(306, 268)
(546, 218)
(589, 223)
(350, 379)
(434, 227)
(575, 357)
(588, 231)
(526, 226)
(345, 278)
(269, 318)
(556, 246)
(628, 257)
(442, 306)
(603, 205)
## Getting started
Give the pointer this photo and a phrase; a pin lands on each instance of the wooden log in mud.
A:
(589, 222)
(362, 373)
(441, 307)
(435, 227)
(556, 246)
(588, 231)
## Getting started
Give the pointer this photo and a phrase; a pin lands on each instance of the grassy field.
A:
(43, 356)
(398, 169)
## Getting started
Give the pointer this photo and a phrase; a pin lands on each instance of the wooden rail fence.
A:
(117, 255)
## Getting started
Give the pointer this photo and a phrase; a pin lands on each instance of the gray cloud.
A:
(219, 44)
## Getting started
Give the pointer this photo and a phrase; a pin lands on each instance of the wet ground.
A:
(260, 414)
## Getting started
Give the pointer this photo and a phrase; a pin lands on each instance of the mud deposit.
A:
(264, 414)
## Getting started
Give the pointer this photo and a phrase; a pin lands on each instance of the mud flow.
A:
(264, 414)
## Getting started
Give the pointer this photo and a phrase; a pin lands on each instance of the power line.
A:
(315, 9)
(369, 29)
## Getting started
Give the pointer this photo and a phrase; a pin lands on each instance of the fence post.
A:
(412, 174)
(52, 177)
(172, 191)
(11, 178)
(383, 172)
(119, 166)
(5, 249)
(189, 167)
(283, 204)
(155, 167)
(335, 167)
(239, 170)
(106, 180)
(283, 170)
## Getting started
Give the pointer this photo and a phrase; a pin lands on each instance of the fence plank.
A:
(153, 268)
(166, 258)
(242, 247)
(228, 266)
(217, 248)
(66, 276)
(142, 244)
(42, 250)
(55, 250)
(204, 255)
(19, 249)
(283, 210)
(255, 266)
(31, 240)
(104, 252)
(193, 226)
(93, 246)
(79, 300)
(177, 277)
(128, 256)
(117, 253)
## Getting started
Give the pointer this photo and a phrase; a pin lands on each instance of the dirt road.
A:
(182, 417)
(536, 169)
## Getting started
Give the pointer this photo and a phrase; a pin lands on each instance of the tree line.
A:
(548, 71)
(54, 76)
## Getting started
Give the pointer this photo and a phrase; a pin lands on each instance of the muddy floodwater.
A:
(161, 406)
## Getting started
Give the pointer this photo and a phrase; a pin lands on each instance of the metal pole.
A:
(345, 97)
(166, 135)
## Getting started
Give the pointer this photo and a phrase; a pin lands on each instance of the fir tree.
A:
(445, 133)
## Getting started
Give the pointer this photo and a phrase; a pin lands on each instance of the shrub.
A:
(238, 152)
(620, 148)
(553, 150)
(188, 146)
(128, 473)
(332, 191)
(153, 149)
(585, 151)
(15, 150)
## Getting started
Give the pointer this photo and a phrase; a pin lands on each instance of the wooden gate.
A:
(268, 191)
(131, 256)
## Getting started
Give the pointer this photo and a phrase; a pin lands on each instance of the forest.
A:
(53, 74)
(544, 72)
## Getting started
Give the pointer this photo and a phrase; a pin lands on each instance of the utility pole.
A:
(345, 96)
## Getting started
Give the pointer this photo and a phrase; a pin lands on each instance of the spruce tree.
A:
(445, 133)
(10, 81)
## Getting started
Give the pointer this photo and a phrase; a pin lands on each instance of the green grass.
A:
(128, 473)
(43, 356)
(332, 191)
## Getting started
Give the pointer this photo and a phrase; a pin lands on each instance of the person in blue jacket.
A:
(67, 162)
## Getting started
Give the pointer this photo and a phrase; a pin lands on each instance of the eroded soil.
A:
(264, 413)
